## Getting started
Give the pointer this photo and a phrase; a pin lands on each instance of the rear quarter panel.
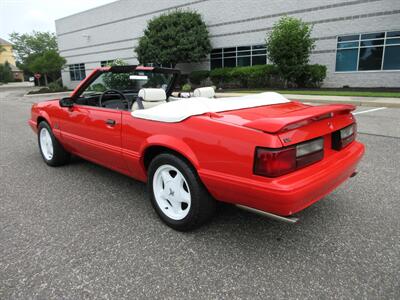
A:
(210, 145)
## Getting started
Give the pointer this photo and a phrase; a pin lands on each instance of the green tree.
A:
(47, 63)
(38, 52)
(5, 73)
(176, 37)
(289, 46)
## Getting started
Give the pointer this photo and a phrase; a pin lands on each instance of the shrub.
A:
(219, 76)
(186, 87)
(312, 76)
(317, 74)
(244, 77)
(55, 87)
(182, 79)
(97, 87)
(5, 73)
(289, 46)
(43, 90)
(197, 77)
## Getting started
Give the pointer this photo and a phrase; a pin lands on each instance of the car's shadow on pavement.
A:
(239, 224)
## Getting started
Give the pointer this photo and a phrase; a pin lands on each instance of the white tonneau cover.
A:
(177, 111)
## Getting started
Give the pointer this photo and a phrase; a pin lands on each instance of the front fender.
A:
(43, 114)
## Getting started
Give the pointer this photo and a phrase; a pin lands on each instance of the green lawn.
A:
(325, 92)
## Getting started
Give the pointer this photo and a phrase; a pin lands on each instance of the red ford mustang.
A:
(263, 152)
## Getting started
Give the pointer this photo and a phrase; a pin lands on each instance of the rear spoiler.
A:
(299, 118)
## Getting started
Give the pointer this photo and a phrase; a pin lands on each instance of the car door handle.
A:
(110, 122)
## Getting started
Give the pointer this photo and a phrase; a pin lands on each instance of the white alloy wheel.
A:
(171, 192)
(46, 144)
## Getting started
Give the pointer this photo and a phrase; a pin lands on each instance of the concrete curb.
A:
(358, 101)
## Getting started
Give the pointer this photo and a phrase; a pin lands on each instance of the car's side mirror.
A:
(66, 102)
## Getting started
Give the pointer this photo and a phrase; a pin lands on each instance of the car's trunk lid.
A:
(293, 122)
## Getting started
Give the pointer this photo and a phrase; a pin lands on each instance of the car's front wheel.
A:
(177, 194)
(52, 151)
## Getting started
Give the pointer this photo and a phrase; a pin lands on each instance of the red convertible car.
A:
(262, 152)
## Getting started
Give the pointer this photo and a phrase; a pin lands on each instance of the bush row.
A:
(258, 76)
(53, 87)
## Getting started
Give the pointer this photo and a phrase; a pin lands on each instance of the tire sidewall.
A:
(53, 160)
(187, 172)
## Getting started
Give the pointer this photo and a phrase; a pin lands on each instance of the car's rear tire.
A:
(177, 194)
(51, 150)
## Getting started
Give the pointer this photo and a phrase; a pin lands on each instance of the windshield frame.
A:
(125, 69)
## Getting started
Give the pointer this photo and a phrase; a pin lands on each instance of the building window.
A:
(77, 72)
(238, 56)
(368, 52)
(105, 63)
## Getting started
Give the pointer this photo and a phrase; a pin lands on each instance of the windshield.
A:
(130, 82)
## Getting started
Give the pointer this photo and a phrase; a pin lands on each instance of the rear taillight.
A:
(277, 162)
(343, 137)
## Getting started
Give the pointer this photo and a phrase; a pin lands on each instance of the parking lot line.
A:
(369, 110)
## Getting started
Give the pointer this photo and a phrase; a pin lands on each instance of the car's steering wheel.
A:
(123, 98)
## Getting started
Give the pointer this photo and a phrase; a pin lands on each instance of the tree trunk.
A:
(45, 79)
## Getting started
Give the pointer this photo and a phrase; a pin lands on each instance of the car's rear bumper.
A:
(290, 193)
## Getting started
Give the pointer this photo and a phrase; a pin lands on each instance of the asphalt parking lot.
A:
(83, 232)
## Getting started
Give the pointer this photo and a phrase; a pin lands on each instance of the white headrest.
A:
(152, 95)
(205, 92)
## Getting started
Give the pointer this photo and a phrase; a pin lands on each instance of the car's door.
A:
(93, 133)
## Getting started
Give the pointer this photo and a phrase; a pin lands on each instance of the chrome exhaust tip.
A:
(291, 220)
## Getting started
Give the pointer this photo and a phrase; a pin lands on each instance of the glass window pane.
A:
(348, 38)
(216, 63)
(230, 54)
(346, 60)
(393, 34)
(216, 51)
(259, 60)
(372, 43)
(243, 53)
(243, 61)
(218, 55)
(392, 58)
(256, 47)
(229, 62)
(247, 48)
(259, 52)
(377, 35)
(347, 45)
(233, 49)
(370, 58)
(392, 41)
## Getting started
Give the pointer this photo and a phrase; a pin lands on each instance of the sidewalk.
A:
(359, 101)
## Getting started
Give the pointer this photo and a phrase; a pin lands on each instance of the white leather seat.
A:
(205, 92)
(150, 98)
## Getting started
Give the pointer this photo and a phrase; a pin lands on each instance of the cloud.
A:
(25, 16)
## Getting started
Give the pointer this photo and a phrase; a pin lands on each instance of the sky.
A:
(24, 16)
